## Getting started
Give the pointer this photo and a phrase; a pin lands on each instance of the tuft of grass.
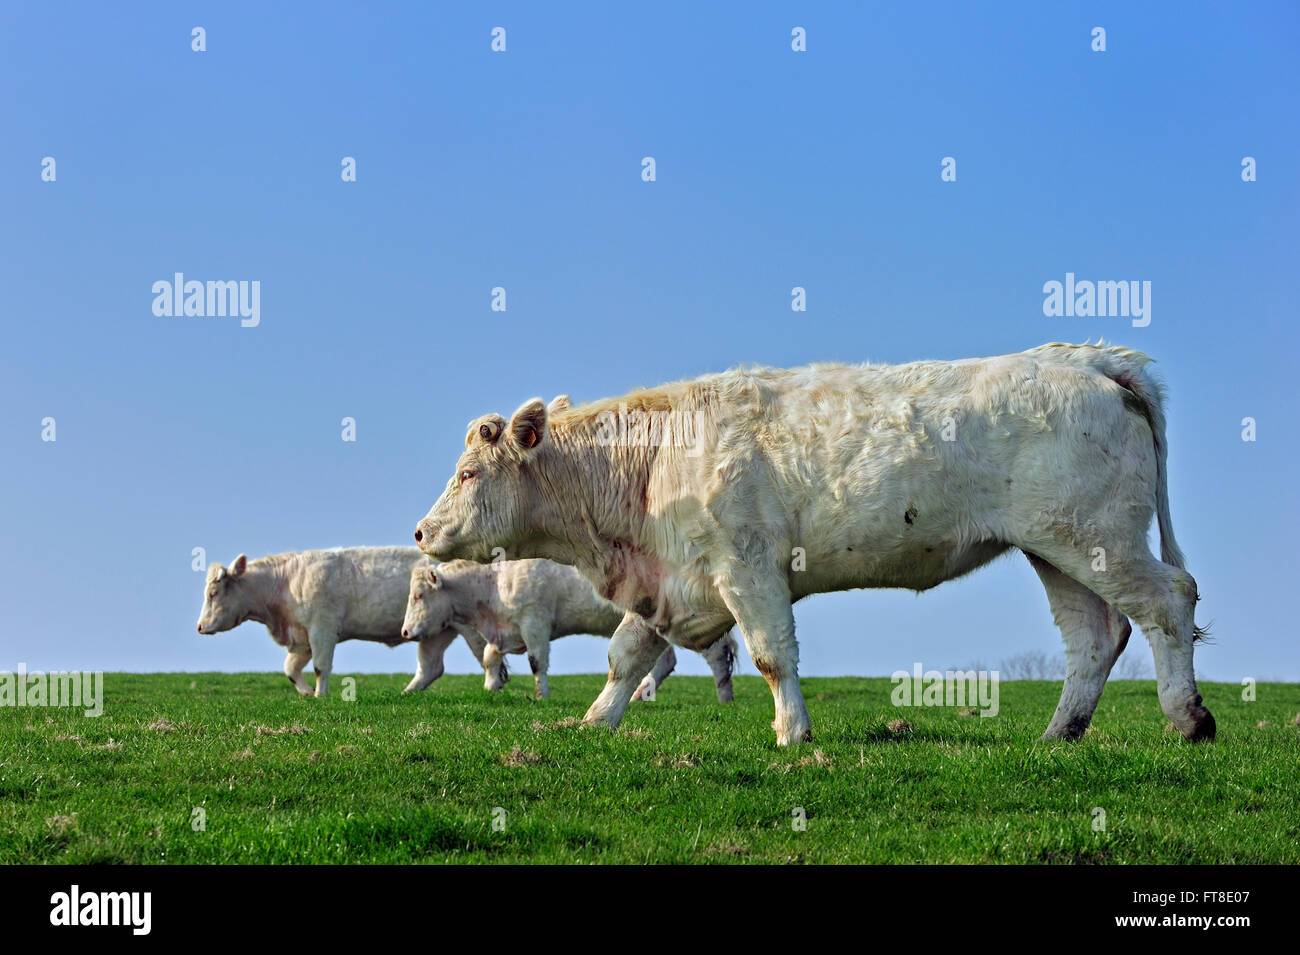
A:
(456, 774)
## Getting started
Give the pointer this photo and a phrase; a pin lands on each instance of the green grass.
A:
(393, 778)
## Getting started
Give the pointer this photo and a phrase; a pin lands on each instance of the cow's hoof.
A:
(794, 737)
(1202, 728)
(1071, 729)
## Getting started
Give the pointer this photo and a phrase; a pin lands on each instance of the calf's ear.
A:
(558, 403)
(239, 565)
(432, 575)
(528, 424)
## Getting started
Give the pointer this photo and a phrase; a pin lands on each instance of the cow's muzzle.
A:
(426, 535)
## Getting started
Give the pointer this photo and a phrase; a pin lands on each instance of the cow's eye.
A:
(419, 597)
(212, 594)
(466, 475)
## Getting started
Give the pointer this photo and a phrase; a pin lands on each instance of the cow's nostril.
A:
(199, 627)
(406, 635)
(419, 535)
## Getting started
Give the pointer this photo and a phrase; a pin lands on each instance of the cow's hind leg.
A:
(1161, 599)
(633, 650)
(721, 657)
(1095, 635)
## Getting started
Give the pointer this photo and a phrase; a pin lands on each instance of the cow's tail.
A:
(1127, 368)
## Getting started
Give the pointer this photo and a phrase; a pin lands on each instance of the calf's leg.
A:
(495, 673)
(1095, 635)
(294, 662)
(429, 660)
(323, 641)
(537, 643)
(665, 665)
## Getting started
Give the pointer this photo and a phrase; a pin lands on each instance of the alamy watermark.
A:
(1087, 299)
(74, 688)
(976, 689)
(76, 907)
(652, 429)
(194, 299)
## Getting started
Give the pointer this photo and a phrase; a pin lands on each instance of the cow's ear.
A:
(432, 576)
(239, 565)
(528, 424)
(558, 403)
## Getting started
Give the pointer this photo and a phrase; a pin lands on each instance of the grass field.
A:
(391, 778)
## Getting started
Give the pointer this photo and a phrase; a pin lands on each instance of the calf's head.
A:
(226, 602)
(428, 605)
(494, 497)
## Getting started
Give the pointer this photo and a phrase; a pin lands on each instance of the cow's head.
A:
(428, 606)
(493, 498)
(226, 602)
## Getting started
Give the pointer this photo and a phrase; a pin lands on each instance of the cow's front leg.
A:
(294, 662)
(429, 662)
(323, 640)
(761, 605)
(633, 650)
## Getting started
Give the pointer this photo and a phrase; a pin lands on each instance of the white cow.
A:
(311, 600)
(520, 606)
(728, 498)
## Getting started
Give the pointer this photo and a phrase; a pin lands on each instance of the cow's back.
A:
(895, 475)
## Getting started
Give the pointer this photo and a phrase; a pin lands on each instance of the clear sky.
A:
(523, 169)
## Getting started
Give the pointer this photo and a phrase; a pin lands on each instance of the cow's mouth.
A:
(439, 544)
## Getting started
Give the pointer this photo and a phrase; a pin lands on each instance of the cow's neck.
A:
(264, 584)
(606, 485)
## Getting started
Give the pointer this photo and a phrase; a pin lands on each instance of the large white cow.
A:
(520, 606)
(727, 498)
(311, 600)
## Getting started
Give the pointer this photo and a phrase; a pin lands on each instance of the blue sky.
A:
(522, 169)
